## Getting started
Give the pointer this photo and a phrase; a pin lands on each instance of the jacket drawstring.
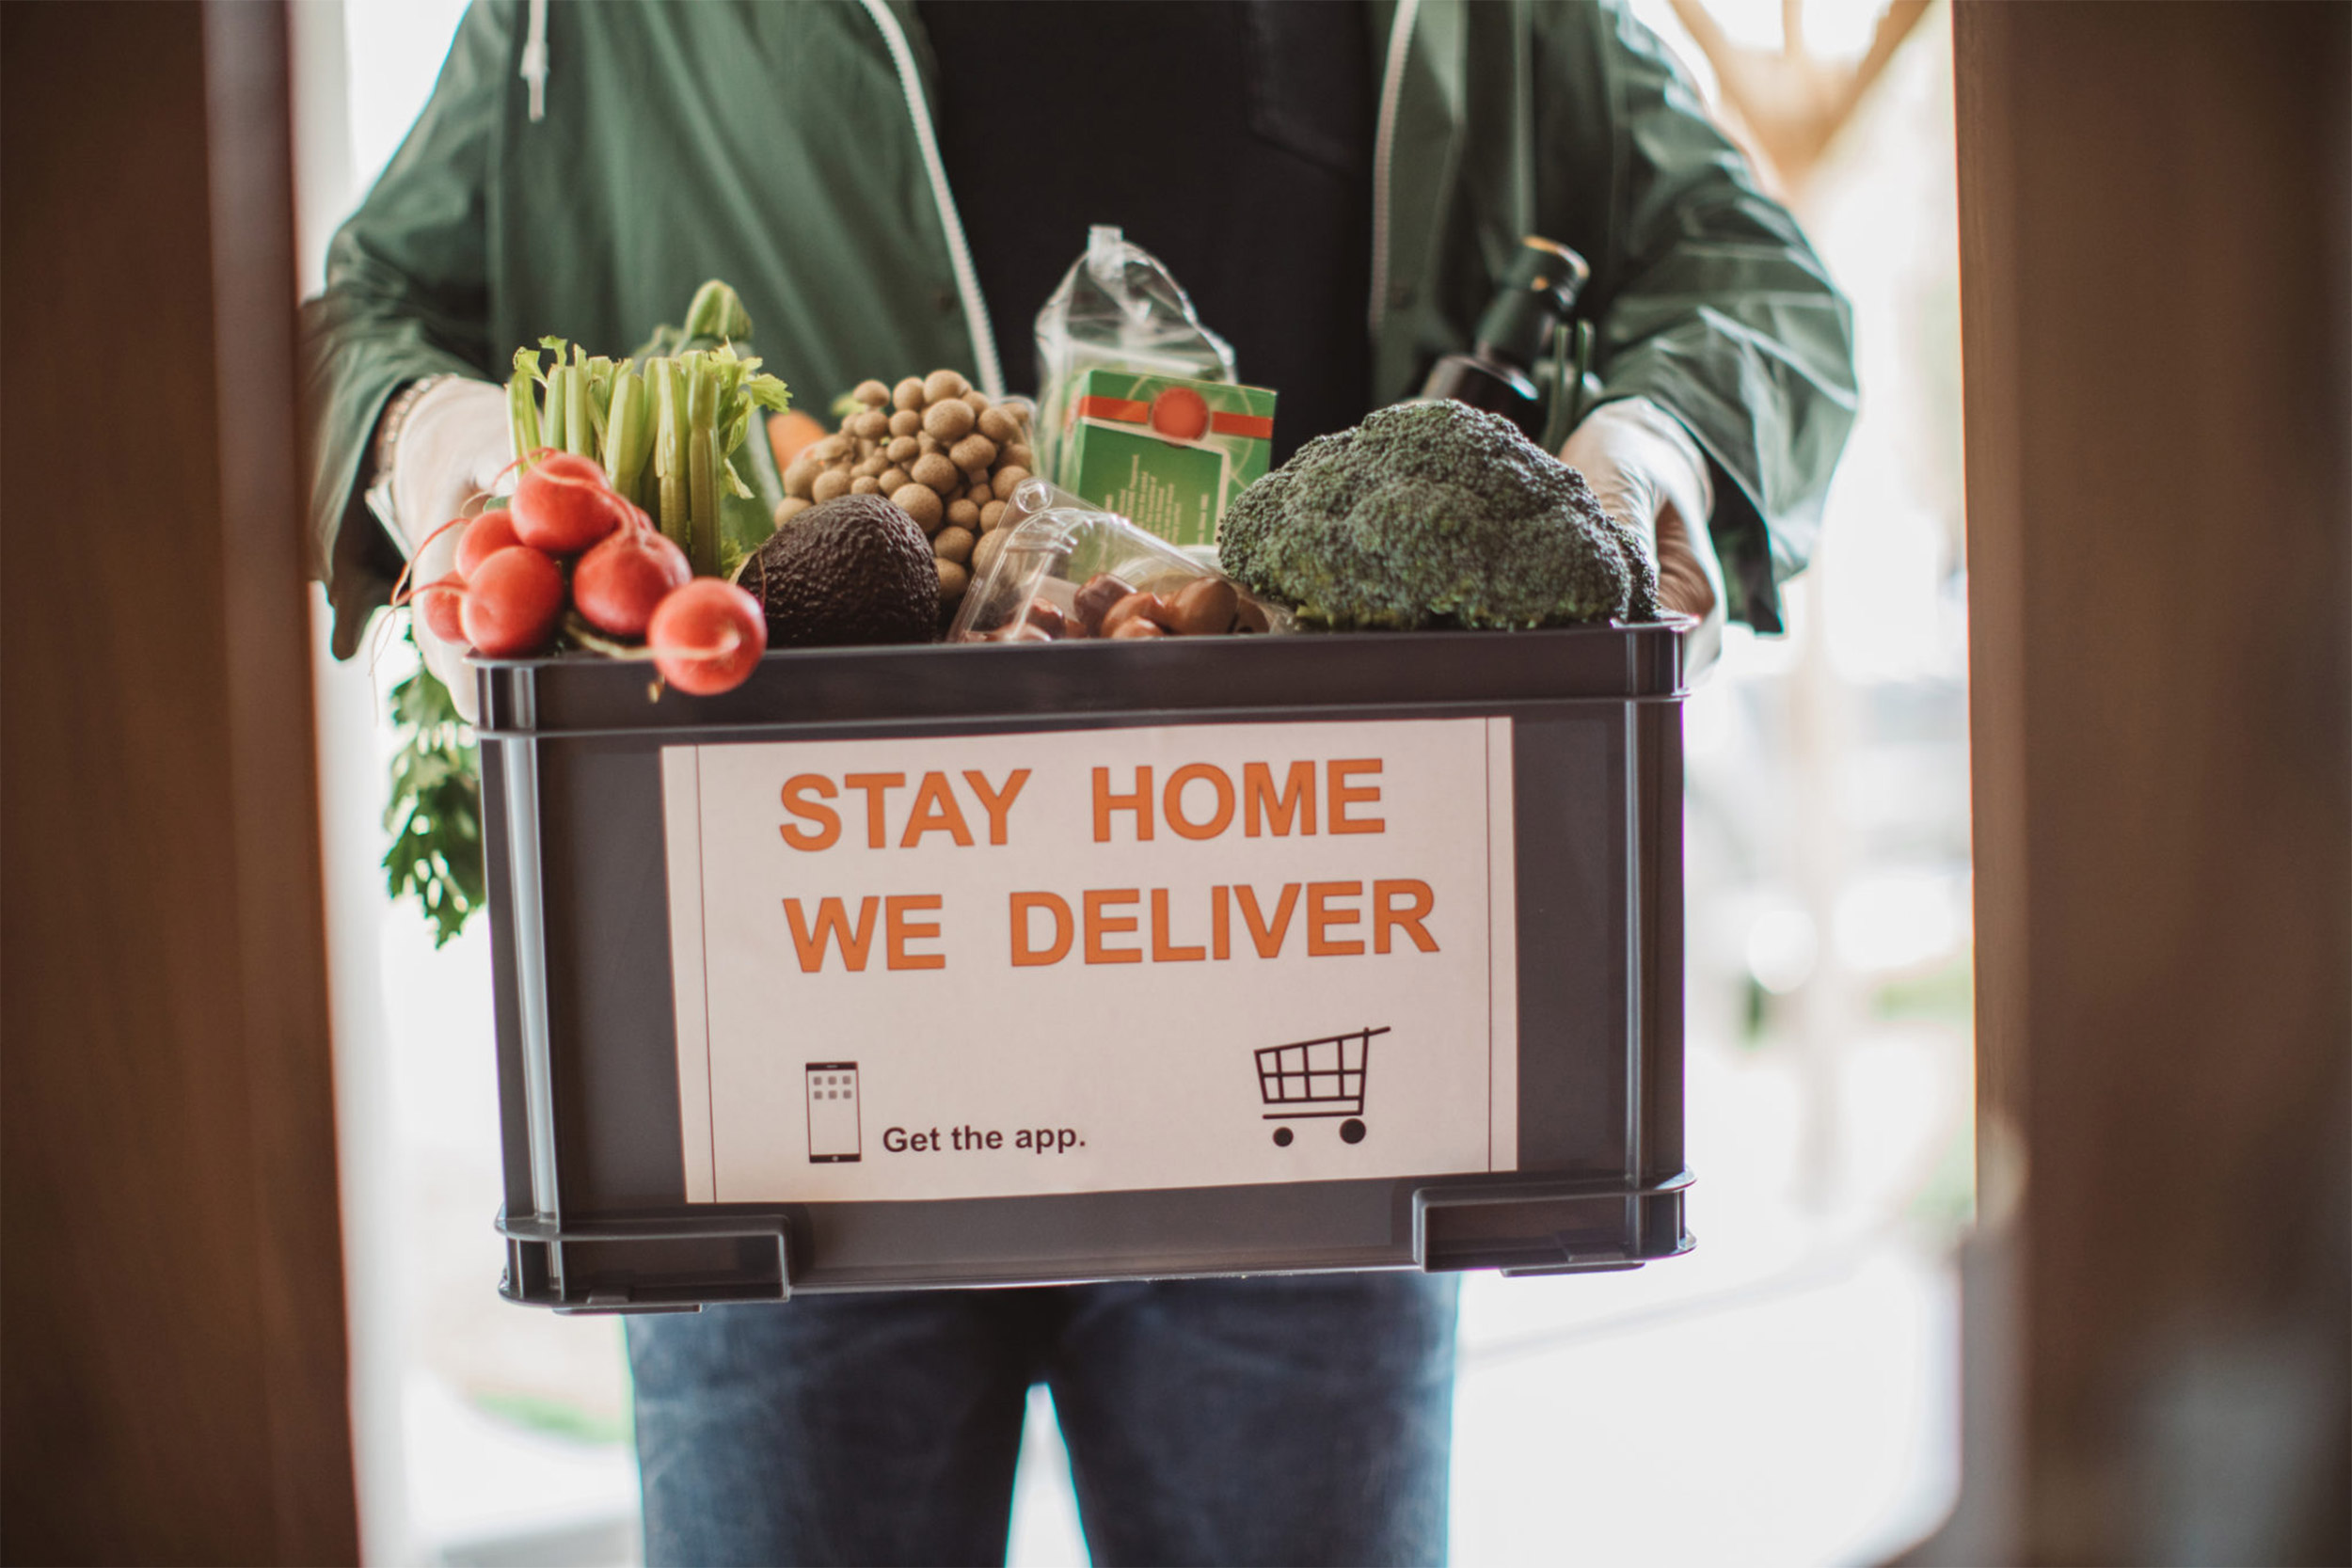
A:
(1383, 151)
(959, 252)
(535, 60)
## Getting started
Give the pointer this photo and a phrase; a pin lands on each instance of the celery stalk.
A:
(552, 436)
(724, 410)
(669, 451)
(599, 405)
(701, 456)
(522, 419)
(717, 312)
(578, 435)
(620, 430)
(730, 415)
(731, 477)
(638, 460)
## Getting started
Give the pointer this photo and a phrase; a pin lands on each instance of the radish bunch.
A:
(628, 582)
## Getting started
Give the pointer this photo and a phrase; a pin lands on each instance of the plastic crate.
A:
(600, 1213)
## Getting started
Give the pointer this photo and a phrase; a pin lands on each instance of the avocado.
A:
(851, 571)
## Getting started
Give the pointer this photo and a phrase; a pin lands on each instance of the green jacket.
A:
(773, 145)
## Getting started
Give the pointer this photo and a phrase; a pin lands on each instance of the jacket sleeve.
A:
(406, 297)
(1708, 298)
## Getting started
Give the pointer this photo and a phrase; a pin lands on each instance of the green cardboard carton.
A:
(1167, 453)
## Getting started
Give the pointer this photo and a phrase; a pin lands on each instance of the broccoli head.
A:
(1434, 513)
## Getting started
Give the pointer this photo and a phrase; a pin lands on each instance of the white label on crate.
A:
(1093, 961)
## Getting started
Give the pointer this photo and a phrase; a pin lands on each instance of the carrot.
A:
(789, 434)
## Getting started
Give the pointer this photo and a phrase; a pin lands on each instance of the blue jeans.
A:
(1282, 1421)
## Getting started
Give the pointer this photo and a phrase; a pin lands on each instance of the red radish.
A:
(618, 584)
(442, 604)
(707, 637)
(437, 601)
(492, 530)
(512, 603)
(563, 504)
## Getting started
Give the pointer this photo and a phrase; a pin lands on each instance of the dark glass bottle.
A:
(1498, 373)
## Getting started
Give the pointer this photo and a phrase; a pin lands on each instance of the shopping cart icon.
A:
(1312, 1079)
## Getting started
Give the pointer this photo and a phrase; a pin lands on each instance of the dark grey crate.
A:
(595, 1215)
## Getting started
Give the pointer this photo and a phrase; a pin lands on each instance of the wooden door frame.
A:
(175, 1384)
(2156, 301)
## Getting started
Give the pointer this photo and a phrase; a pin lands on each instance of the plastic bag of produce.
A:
(1117, 309)
(1068, 570)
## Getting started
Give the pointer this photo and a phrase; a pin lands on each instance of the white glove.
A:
(448, 450)
(1649, 474)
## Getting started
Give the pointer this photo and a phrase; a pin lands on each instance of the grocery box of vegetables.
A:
(919, 964)
(903, 873)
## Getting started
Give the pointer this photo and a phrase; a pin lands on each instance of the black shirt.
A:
(1231, 139)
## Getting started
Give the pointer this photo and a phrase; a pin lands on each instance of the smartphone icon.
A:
(832, 1115)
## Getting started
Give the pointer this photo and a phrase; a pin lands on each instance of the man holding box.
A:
(1337, 185)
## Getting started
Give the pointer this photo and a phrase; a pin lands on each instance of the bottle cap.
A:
(1538, 293)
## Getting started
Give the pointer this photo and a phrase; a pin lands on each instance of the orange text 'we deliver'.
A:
(1371, 915)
